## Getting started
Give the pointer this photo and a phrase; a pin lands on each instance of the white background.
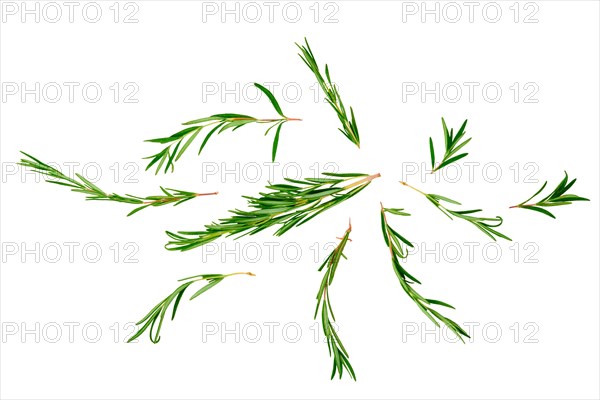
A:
(375, 50)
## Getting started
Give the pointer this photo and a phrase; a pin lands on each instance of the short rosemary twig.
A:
(332, 95)
(93, 192)
(334, 343)
(397, 244)
(179, 142)
(159, 311)
(289, 204)
(452, 146)
(558, 197)
(486, 225)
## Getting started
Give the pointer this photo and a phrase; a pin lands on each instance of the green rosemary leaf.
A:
(451, 160)
(271, 98)
(446, 199)
(349, 127)
(452, 144)
(157, 314)
(219, 123)
(432, 152)
(334, 344)
(539, 209)
(276, 142)
(286, 206)
(556, 198)
(484, 224)
(135, 210)
(202, 120)
(422, 303)
(441, 303)
(207, 137)
(94, 193)
(177, 300)
(213, 282)
(397, 211)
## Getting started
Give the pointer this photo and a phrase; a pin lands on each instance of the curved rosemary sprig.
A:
(558, 197)
(289, 204)
(485, 225)
(218, 123)
(334, 343)
(452, 146)
(159, 311)
(396, 244)
(332, 95)
(93, 192)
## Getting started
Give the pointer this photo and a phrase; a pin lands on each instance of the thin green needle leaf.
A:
(334, 344)
(432, 152)
(557, 197)
(94, 193)
(153, 321)
(275, 143)
(403, 277)
(271, 98)
(452, 144)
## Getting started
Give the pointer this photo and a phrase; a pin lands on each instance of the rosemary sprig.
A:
(93, 192)
(334, 343)
(159, 311)
(397, 244)
(452, 146)
(179, 142)
(332, 95)
(289, 204)
(486, 225)
(558, 197)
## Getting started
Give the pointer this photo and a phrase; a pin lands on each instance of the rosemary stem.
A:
(413, 188)
(174, 199)
(361, 181)
(206, 194)
(241, 273)
(387, 232)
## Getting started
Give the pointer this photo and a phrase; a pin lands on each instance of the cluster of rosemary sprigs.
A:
(295, 202)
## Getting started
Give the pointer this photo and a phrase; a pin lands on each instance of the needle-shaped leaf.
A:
(349, 127)
(334, 344)
(284, 205)
(157, 314)
(275, 143)
(452, 144)
(407, 280)
(93, 192)
(557, 197)
(271, 98)
(485, 224)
